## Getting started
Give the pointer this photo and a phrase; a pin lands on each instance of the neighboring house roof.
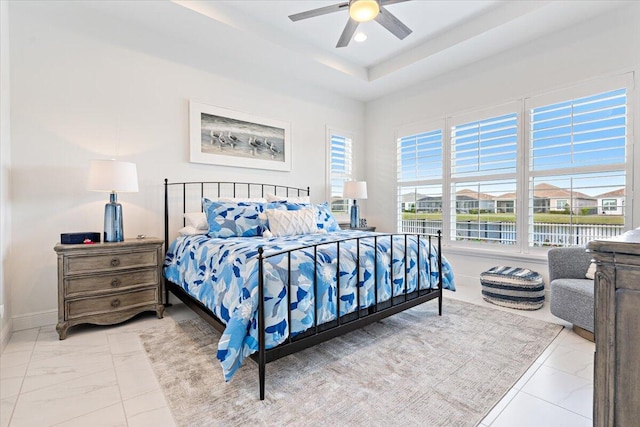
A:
(540, 191)
(412, 197)
(473, 195)
(506, 196)
(552, 192)
(615, 193)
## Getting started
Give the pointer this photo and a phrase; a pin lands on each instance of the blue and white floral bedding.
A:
(223, 275)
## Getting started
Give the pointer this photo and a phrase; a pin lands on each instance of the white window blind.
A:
(581, 132)
(484, 155)
(483, 147)
(341, 169)
(419, 178)
(577, 158)
(420, 156)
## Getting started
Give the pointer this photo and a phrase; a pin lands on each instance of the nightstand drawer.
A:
(114, 261)
(115, 302)
(110, 282)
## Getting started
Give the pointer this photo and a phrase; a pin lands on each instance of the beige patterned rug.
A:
(414, 368)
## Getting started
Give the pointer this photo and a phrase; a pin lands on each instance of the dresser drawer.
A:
(109, 303)
(110, 282)
(628, 277)
(113, 261)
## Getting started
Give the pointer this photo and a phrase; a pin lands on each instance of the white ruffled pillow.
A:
(289, 199)
(189, 230)
(291, 223)
(197, 220)
(591, 271)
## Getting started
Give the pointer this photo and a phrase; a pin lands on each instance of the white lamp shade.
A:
(113, 176)
(355, 190)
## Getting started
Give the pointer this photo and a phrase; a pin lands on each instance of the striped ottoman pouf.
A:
(513, 287)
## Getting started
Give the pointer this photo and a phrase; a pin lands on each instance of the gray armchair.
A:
(571, 293)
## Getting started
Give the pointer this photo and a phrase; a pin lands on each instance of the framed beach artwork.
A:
(219, 136)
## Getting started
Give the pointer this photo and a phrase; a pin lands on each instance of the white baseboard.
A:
(5, 334)
(35, 320)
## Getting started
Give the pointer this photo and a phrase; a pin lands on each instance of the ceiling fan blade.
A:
(393, 24)
(320, 11)
(386, 2)
(347, 33)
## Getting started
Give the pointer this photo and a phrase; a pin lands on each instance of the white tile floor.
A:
(100, 376)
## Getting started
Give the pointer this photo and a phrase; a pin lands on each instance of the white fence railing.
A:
(543, 234)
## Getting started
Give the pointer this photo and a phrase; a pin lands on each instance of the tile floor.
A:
(100, 376)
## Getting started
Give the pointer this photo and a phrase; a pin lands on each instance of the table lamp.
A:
(114, 177)
(355, 190)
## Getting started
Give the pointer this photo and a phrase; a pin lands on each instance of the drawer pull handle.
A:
(115, 262)
(115, 303)
(115, 283)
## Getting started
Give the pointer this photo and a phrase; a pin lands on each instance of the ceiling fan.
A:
(360, 11)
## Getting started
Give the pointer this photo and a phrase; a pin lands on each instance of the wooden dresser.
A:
(108, 283)
(616, 400)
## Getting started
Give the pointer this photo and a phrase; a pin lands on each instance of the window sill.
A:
(535, 256)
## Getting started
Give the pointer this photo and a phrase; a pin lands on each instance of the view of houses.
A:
(547, 199)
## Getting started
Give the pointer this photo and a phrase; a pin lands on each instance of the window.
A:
(577, 150)
(551, 170)
(340, 168)
(561, 204)
(483, 178)
(609, 205)
(420, 165)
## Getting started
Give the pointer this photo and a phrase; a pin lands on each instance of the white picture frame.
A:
(219, 136)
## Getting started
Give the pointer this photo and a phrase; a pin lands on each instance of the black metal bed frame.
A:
(318, 332)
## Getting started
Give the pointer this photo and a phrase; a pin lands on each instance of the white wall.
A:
(606, 45)
(85, 86)
(5, 161)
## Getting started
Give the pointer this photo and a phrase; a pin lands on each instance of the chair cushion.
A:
(572, 300)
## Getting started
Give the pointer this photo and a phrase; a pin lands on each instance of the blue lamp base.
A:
(113, 230)
(355, 215)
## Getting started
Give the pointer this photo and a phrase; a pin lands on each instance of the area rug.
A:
(414, 368)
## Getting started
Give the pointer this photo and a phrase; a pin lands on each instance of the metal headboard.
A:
(199, 189)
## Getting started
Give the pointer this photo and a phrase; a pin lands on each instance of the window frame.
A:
(523, 174)
(415, 129)
(330, 131)
(472, 116)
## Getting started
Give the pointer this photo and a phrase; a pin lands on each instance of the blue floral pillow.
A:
(227, 219)
(325, 219)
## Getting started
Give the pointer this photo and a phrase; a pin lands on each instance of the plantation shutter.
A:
(485, 147)
(341, 161)
(420, 156)
(588, 131)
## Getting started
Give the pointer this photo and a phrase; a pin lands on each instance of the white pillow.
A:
(197, 220)
(290, 199)
(591, 272)
(291, 223)
(189, 230)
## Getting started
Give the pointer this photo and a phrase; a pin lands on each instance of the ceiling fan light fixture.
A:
(363, 10)
(360, 37)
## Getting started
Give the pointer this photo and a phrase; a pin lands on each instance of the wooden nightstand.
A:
(107, 283)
